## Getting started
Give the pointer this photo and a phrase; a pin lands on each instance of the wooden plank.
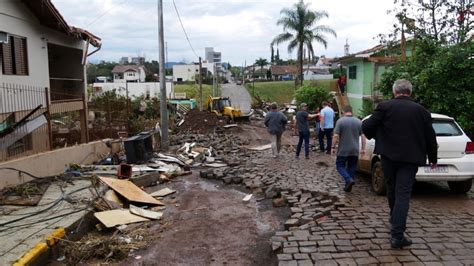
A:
(129, 190)
(162, 192)
(118, 217)
(145, 213)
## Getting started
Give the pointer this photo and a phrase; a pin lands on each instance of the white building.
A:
(183, 73)
(129, 73)
(214, 57)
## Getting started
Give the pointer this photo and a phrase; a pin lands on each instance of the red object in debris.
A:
(124, 171)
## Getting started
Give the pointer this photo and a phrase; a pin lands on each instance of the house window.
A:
(13, 56)
(353, 72)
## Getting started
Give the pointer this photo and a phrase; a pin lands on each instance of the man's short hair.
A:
(402, 86)
(325, 103)
(303, 105)
(347, 109)
(274, 106)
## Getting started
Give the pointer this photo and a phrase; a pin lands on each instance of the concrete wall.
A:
(134, 89)
(16, 19)
(185, 72)
(51, 162)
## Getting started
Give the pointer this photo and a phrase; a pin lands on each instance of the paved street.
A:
(238, 95)
(354, 228)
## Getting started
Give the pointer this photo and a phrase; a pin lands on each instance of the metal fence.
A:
(31, 121)
(23, 120)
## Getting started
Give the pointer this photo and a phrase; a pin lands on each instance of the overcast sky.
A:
(241, 29)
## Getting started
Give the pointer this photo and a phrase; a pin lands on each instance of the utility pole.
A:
(200, 83)
(214, 85)
(163, 103)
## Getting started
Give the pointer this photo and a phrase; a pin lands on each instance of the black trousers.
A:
(399, 178)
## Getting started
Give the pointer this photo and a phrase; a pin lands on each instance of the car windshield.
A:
(446, 128)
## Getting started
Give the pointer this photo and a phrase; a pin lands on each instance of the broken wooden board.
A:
(130, 191)
(260, 148)
(162, 192)
(118, 217)
(145, 213)
(113, 200)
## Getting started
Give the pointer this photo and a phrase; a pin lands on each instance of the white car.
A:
(455, 158)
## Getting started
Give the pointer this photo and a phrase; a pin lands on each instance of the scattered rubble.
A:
(200, 122)
(106, 247)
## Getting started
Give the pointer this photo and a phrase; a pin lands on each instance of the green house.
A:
(364, 70)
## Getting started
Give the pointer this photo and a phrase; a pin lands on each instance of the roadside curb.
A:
(41, 248)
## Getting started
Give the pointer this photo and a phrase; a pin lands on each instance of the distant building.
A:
(283, 72)
(139, 60)
(128, 73)
(183, 73)
(214, 57)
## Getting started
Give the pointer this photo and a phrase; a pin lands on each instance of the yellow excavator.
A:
(221, 106)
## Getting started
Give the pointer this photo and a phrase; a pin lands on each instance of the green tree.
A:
(300, 26)
(440, 81)
(313, 96)
(261, 62)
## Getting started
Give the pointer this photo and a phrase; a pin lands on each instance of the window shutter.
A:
(21, 63)
(7, 60)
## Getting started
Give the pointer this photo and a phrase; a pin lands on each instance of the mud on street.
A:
(298, 214)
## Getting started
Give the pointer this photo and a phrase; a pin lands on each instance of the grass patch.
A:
(282, 91)
(192, 91)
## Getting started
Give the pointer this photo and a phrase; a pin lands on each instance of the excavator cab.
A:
(222, 106)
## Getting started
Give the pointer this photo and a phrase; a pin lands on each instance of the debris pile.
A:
(199, 122)
(122, 244)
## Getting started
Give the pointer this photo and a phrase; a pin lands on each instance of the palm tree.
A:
(261, 62)
(300, 28)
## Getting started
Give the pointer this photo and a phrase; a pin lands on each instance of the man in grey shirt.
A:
(346, 133)
(275, 122)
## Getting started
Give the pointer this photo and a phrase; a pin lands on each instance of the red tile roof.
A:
(283, 70)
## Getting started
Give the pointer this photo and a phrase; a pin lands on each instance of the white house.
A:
(128, 73)
(39, 50)
(182, 73)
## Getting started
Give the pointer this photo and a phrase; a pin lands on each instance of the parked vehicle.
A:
(455, 158)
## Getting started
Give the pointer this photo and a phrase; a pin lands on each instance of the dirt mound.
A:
(200, 122)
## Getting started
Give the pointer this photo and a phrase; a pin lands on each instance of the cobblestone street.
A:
(329, 226)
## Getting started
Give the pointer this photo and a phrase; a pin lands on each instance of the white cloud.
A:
(241, 29)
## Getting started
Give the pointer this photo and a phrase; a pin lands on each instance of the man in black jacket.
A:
(404, 136)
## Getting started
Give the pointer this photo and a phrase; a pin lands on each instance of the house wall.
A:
(134, 89)
(185, 72)
(355, 86)
(16, 19)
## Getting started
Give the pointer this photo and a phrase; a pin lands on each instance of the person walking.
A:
(275, 121)
(327, 127)
(302, 126)
(347, 132)
(317, 128)
(341, 82)
(404, 138)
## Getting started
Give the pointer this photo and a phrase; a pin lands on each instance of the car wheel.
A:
(460, 187)
(378, 180)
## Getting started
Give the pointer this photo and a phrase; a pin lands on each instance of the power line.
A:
(105, 13)
(185, 34)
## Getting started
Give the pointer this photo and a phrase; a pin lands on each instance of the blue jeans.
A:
(399, 179)
(346, 166)
(328, 133)
(304, 136)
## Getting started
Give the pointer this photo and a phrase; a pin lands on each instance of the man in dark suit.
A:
(404, 136)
